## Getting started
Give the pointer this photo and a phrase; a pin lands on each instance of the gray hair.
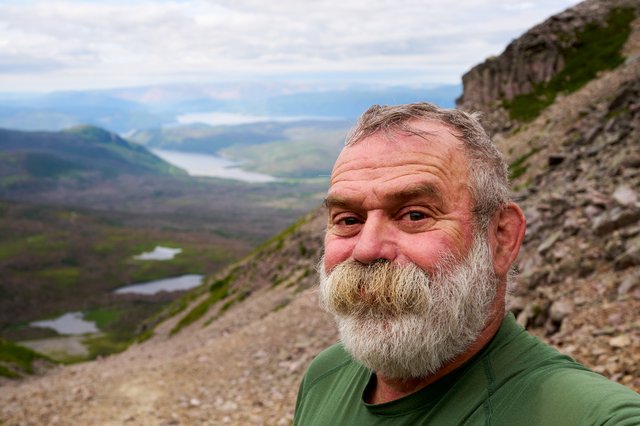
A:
(489, 183)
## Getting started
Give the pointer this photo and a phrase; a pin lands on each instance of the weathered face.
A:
(439, 295)
(401, 198)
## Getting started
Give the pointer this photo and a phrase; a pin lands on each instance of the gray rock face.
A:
(533, 58)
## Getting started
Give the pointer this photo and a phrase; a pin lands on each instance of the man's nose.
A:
(375, 241)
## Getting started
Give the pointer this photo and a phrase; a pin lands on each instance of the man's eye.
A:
(415, 215)
(349, 220)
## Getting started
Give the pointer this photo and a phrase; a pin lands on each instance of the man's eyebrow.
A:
(429, 190)
(334, 201)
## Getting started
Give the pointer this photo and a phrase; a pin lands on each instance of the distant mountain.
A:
(350, 103)
(73, 154)
(126, 109)
(60, 110)
(206, 139)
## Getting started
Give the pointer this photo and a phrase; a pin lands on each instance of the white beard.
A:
(403, 322)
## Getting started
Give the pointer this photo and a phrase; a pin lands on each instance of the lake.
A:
(69, 323)
(184, 282)
(159, 253)
(209, 165)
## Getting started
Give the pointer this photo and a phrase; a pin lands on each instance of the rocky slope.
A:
(235, 353)
(563, 52)
(576, 169)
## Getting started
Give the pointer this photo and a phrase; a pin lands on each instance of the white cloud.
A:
(108, 43)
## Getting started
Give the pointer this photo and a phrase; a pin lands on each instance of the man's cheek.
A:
(335, 252)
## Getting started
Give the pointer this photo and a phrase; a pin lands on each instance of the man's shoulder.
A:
(326, 363)
(585, 388)
(580, 396)
(536, 381)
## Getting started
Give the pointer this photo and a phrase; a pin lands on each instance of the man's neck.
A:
(387, 389)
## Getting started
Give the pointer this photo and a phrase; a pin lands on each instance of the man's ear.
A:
(506, 233)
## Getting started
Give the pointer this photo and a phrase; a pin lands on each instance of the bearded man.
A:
(420, 242)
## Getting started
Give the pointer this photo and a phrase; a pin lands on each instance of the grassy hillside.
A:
(56, 260)
(79, 153)
(304, 151)
(294, 149)
(17, 361)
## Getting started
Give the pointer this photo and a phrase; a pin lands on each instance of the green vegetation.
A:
(15, 357)
(5, 372)
(47, 252)
(103, 317)
(145, 335)
(102, 345)
(177, 306)
(63, 277)
(79, 154)
(115, 144)
(218, 291)
(210, 139)
(33, 245)
(282, 304)
(238, 298)
(303, 152)
(92, 134)
(278, 240)
(192, 260)
(519, 166)
(49, 166)
(597, 48)
(173, 309)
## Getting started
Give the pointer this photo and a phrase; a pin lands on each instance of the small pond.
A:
(159, 253)
(184, 282)
(69, 323)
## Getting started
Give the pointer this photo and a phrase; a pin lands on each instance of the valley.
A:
(70, 234)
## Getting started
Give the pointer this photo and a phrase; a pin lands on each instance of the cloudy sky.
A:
(60, 44)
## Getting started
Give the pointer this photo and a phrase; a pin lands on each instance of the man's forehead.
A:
(418, 189)
(391, 148)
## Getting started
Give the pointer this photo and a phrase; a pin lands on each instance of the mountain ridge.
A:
(558, 55)
(76, 153)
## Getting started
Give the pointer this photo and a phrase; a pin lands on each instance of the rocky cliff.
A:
(234, 352)
(558, 55)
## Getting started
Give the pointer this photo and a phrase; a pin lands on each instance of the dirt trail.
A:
(232, 372)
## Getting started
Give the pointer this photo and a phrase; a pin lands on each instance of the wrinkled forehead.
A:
(399, 145)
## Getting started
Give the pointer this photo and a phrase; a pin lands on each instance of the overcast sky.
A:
(53, 45)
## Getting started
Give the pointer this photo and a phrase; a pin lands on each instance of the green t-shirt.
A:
(515, 380)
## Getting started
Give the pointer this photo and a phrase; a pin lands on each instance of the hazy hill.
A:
(296, 149)
(73, 154)
(60, 110)
(234, 354)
